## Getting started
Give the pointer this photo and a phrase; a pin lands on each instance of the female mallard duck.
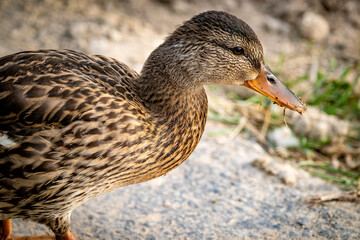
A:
(73, 126)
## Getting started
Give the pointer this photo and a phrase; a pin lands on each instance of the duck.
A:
(75, 126)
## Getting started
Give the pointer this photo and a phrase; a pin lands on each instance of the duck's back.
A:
(63, 117)
(55, 87)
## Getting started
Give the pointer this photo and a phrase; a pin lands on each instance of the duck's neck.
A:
(179, 117)
(162, 97)
(165, 87)
(171, 105)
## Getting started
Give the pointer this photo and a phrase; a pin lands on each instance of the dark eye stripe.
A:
(240, 49)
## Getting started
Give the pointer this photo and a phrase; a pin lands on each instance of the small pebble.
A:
(283, 137)
(302, 221)
(314, 27)
(167, 203)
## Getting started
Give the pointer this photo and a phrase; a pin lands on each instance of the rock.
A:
(314, 27)
(283, 137)
(317, 125)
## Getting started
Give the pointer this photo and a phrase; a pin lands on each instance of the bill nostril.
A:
(271, 79)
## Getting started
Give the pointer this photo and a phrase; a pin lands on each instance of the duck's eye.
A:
(238, 50)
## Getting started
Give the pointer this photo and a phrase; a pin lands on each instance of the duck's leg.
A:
(33, 238)
(68, 236)
(61, 227)
(5, 229)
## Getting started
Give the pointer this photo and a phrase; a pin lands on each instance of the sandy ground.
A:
(217, 193)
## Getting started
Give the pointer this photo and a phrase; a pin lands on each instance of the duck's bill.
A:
(268, 85)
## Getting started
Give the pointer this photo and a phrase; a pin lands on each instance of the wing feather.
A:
(54, 88)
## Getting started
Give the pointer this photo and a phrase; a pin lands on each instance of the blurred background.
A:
(312, 46)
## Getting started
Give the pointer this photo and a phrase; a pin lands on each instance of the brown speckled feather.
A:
(78, 129)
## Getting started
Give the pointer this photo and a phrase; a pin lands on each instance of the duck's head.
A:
(217, 48)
